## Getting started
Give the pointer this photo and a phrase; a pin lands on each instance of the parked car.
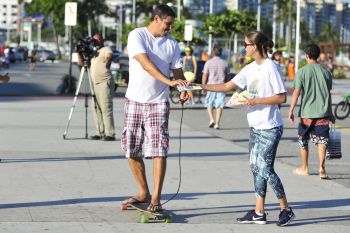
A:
(24, 52)
(44, 54)
(15, 56)
(120, 68)
(4, 62)
(116, 53)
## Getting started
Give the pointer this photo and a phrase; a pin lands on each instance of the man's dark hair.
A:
(312, 51)
(163, 11)
(217, 51)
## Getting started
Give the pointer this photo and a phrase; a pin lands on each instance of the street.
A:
(44, 80)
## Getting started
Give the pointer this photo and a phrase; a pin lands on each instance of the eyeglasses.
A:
(246, 45)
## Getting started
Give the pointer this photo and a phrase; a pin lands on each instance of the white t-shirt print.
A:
(164, 52)
(263, 80)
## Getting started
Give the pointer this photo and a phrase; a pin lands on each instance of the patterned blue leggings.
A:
(262, 149)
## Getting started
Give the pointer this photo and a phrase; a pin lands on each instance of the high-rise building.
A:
(199, 7)
(9, 18)
(9, 14)
(318, 12)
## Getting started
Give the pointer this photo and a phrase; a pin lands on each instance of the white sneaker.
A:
(216, 126)
(211, 124)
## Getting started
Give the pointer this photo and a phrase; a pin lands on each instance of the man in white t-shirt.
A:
(152, 54)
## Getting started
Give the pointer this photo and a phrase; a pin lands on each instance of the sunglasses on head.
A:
(246, 45)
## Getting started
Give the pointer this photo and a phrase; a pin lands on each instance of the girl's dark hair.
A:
(263, 43)
(163, 11)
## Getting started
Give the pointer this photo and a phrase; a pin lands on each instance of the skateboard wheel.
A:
(168, 219)
(123, 207)
(144, 218)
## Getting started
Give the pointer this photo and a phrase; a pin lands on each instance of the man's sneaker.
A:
(286, 215)
(252, 217)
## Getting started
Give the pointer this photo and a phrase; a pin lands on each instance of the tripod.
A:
(84, 69)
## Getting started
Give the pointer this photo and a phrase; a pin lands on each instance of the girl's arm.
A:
(224, 87)
(276, 99)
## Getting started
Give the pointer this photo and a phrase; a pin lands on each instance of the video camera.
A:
(86, 47)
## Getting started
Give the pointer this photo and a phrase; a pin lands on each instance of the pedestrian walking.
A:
(279, 60)
(291, 69)
(215, 72)
(264, 82)
(32, 60)
(189, 63)
(153, 54)
(313, 83)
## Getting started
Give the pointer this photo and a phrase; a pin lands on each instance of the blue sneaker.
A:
(252, 217)
(285, 217)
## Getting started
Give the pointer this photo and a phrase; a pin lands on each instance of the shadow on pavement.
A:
(18, 89)
(208, 154)
(60, 159)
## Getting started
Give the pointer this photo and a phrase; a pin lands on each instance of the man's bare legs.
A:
(321, 148)
(218, 116)
(211, 117)
(304, 156)
(159, 168)
(304, 167)
(137, 167)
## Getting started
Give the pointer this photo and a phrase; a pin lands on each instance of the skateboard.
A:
(147, 216)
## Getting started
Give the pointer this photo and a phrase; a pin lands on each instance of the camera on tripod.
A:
(86, 47)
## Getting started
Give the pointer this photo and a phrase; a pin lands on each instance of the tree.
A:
(329, 33)
(54, 11)
(228, 24)
(285, 13)
(146, 6)
(90, 10)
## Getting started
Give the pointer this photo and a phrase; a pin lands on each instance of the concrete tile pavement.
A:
(53, 185)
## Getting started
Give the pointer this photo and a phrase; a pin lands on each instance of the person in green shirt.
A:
(313, 83)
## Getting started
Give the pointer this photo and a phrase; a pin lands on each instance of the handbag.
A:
(334, 144)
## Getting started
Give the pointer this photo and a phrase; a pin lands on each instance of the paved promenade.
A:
(53, 185)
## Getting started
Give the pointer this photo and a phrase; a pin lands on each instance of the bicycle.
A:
(174, 95)
(342, 109)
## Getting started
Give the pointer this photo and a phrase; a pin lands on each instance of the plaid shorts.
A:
(145, 129)
(316, 129)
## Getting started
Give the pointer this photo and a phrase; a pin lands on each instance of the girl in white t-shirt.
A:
(263, 80)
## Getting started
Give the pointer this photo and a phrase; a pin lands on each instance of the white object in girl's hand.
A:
(238, 99)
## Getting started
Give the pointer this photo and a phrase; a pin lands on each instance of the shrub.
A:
(339, 75)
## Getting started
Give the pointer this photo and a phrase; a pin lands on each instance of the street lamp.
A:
(258, 16)
(210, 35)
(297, 37)
(134, 12)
